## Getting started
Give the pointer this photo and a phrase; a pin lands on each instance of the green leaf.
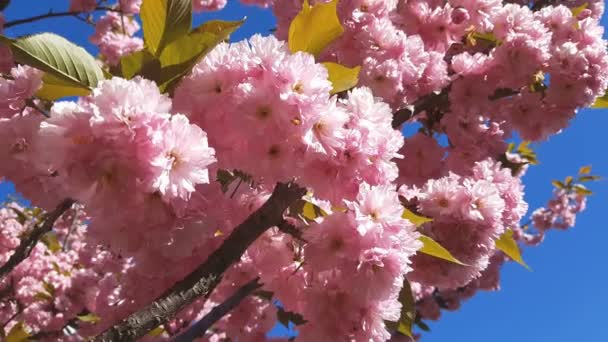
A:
(306, 210)
(588, 178)
(568, 180)
(472, 37)
(21, 217)
(408, 309)
(527, 153)
(187, 47)
(431, 247)
(558, 184)
(43, 297)
(577, 10)
(159, 330)
(417, 220)
(164, 21)
(18, 333)
(584, 170)
(581, 190)
(49, 288)
(54, 88)
(51, 242)
(315, 27)
(133, 64)
(89, 318)
(601, 102)
(508, 245)
(181, 56)
(57, 269)
(342, 78)
(58, 57)
(198, 42)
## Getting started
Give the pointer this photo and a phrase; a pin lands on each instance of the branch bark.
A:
(29, 242)
(432, 102)
(199, 328)
(204, 279)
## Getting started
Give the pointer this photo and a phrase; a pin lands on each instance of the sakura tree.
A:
(180, 185)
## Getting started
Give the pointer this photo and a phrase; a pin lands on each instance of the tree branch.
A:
(204, 279)
(434, 101)
(290, 229)
(29, 242)
(199, 328)
(52, 14)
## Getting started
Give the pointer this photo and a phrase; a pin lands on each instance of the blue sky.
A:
(563, 299)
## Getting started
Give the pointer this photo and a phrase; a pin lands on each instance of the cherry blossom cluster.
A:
(269, 114)
(161, 180)
(49, 289)
(114, 36)
(560, 213)
(503, 67)
(479, 206)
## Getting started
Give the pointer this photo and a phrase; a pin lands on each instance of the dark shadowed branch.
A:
(432, 102)
(29, 242)
(199, 328)
(203, 280)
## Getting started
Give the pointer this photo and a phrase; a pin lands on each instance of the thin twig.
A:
(30, 103)
(64, 246)
(52, 14)
(199, 328)
(19, 311)
(28, 243)
(236, 188)
(202, 281)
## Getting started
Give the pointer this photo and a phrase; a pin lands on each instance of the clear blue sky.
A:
(563, 300)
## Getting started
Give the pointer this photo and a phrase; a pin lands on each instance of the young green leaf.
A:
(198, 42)
(577, 10)
(408, 309)
(89, 318)
(133, 64)
(164, 21)
(601, 102)
(179, 58)
(417, 220)
(43, 297)
(51, 242)
(18, 333)
(306, 210)
(342, 78)
(431, 247)
(584, 170)
(581, 190)
(159, 330)
(558, 184)
(508, 245)
(588, 178)
(54, 88)
(58, 57)
(315, 27)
